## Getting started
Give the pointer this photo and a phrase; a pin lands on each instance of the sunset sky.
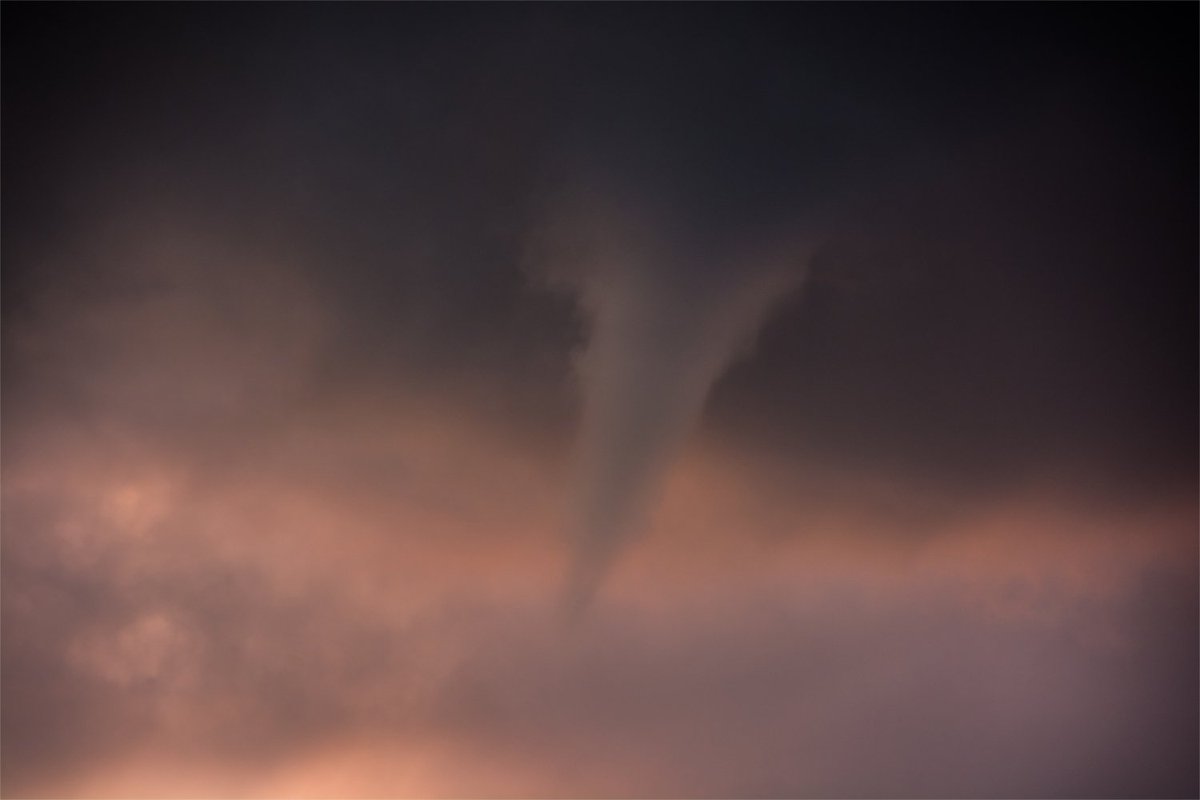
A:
(600, 400)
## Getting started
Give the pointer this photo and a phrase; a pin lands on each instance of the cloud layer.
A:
(291, 417)
(354, 595)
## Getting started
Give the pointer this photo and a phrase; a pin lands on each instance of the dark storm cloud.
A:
(1008, 191)
(1025, 306)
(286, 401)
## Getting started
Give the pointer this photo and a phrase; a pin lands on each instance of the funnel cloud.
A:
(663, 325)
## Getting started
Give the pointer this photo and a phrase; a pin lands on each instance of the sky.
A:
(599, 400)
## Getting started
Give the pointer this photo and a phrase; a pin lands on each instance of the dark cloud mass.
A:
(841, 359)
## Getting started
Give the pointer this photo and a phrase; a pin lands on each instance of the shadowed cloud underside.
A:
(841, 360)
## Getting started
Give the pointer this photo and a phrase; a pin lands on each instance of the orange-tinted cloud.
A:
(366, 604)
